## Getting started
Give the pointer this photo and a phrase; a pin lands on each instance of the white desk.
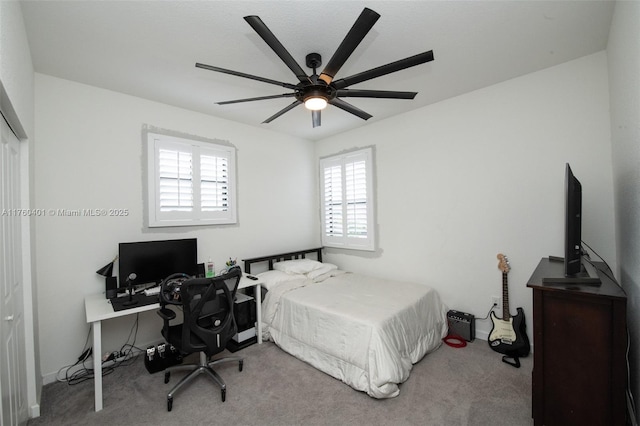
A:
(98, 309)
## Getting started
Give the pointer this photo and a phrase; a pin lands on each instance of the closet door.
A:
(12, 351)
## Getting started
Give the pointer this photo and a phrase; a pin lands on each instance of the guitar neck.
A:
(505, 297)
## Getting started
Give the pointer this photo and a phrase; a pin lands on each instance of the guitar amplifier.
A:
(462, 324)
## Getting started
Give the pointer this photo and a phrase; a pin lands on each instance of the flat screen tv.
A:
(573, 224)
(153, 261)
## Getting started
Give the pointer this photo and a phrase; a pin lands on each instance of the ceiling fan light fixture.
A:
(316, 91)
(315, 103)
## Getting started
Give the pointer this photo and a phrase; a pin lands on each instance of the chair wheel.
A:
(167, 375)
(241, 364)
(224, 395)
(169, 403)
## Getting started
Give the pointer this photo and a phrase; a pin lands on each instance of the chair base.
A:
(204, 367)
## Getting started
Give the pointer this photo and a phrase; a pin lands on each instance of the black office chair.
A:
(208, 323)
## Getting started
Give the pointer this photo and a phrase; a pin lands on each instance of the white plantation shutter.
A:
(333, 218)
(176, 180)
(214, 183)
(347, 200)
(356, 185)
(190, 182)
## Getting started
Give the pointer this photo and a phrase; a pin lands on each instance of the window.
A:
(190, 182)
(347, 200)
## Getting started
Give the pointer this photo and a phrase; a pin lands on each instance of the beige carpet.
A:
(467, 386)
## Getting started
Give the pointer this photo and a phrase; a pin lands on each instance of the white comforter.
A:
(364, 331)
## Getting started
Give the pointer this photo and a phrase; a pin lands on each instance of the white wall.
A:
(623, 52)
(16, 70)
(89, 155)
(483, 173)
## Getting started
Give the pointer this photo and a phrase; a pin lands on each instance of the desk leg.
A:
(96, 328)
(259, 311)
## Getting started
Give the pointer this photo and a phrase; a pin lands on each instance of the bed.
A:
(367, 332)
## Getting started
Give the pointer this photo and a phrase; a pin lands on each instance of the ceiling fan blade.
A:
(356, 34)
(402, 64)
(241, 74)
(380, 94)
(260, 98)
(350, 108)
(266, 34)
(282, 111)
(315, 118)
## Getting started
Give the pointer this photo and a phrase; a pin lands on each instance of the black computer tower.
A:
(245, 315)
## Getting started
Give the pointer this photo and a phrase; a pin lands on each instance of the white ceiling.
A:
(149, 49)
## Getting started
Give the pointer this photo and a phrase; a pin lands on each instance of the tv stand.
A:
(580, 337)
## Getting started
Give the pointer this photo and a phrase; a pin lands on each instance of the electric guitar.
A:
(509, 334)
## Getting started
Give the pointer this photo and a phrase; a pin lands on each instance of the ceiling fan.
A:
(316, 91)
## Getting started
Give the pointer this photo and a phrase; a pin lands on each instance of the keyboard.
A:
(118, 303)
(152, 291)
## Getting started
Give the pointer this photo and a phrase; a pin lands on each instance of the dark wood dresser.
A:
(579, 343)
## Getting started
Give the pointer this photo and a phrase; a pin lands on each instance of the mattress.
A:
(367, 332)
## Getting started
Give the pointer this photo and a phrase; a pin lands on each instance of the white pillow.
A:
(270, 279)
(297, 266)
(326, 267)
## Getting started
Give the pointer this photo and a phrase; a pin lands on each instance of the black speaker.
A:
(111, 289)
(462, 324)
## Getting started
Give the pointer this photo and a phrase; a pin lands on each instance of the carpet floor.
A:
(464, 386)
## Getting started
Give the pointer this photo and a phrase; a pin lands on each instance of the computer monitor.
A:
(153, 261)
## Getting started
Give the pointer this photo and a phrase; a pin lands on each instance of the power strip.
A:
(109, 356)
(114, 361)
(121, 356)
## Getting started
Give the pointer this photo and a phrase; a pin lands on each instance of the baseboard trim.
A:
(34, 411)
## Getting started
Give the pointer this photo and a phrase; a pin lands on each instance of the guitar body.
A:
(510, 337)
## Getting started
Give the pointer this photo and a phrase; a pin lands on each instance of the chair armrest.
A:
(166, 314)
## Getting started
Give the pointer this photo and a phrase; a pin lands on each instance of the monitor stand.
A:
(588, 276)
